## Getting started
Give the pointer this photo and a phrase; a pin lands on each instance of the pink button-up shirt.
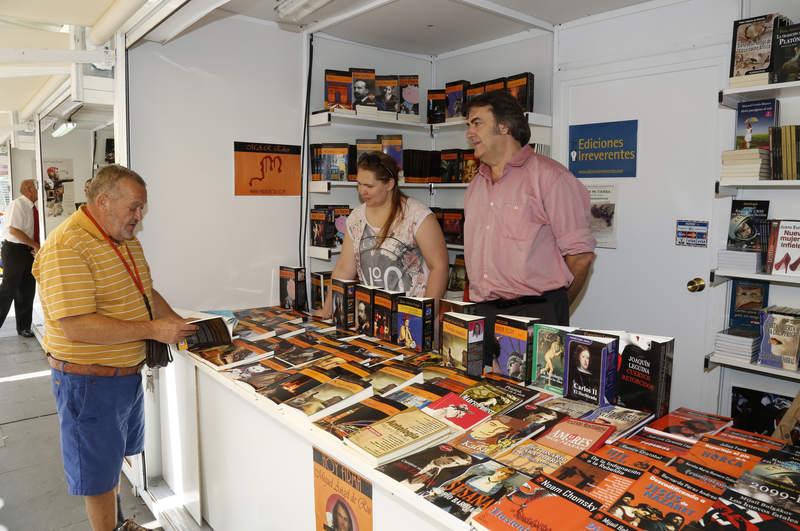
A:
(517, 230)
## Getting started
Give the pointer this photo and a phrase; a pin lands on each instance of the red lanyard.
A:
(134, 273)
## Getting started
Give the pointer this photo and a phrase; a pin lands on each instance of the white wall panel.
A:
(233, 79)
(23, 166)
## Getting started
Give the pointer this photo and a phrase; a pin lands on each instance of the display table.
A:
(256, 464)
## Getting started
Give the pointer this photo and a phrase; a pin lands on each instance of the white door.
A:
(641, 286)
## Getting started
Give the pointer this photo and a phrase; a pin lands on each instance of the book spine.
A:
(774, 226)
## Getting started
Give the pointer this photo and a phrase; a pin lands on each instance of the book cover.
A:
(625, 421)
(452, 379)
(493, 397)
(456, 92)
(342, 498)
(356, 416)
(573, 436)
(392, 145)
(514, 336)
(659, 443)
(631, 457)
(474, 90)
(756, 411)
(735, 511)
(261, 373)
(495, 85)
(645, 372)
(333, 161)
(705, 475)
(549, 341)
(365, 301)
(688, 425)
(744, 437)
(536, 416)
(300, 382)
(364, 93)
(384, 314)
(748, 297)
(780, 338)
(571, 408)
(437, 106)
(494, 436)
(417, 395)
(753, 120)
(340, 213)
(591, 369)
(641, 448)
(293, 288)
(600, 478)
(329, 397)
(409, 95)
(323, 230)
(415, 323)
(450, 160)
(343, 295)
(786, 55)
(393, 375)
(659, 496)
(320, 282)
(211, 332)
(751, 51)
(338, 90)
(429, 468)
(543, 503)
(477, 488)
(469, 165)
(746, 216)
(398, 435)
(533, 458)
(462, 342)
(456, 412)
(457, 277)
(521, 87)
(238, 352)
(453, 225)
(388, 93)
(787, 249)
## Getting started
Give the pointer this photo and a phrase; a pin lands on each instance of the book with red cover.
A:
(456, 412)
(543, 503)
(573, 436)
(598, 477)
(631, 456)
(660, 444)
(688, 425)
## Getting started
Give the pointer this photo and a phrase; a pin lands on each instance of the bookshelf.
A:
(727, 274)
(715, 359)
(325, 187)
(732, 96)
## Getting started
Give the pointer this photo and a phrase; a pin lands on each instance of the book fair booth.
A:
(686, 156)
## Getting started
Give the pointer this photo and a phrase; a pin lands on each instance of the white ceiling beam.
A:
(147, 18)
(330, 21)
(8, 71)
(42, 55)
(183, 19)
(114, 17)
(512, 14)
(52, 85)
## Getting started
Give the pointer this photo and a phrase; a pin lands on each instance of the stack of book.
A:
(739, 260)
(750, 164)
(738, 342)
(752, 59)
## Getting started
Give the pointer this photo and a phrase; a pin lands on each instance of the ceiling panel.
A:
(425, 27)
(13, 36)
(77, 12)
(561, 11)
(15, 92)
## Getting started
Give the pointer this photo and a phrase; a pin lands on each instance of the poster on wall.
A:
(266, 169)
(757, 411)
(59, 190)
(603, 222)
(603, 150)
(342, 498)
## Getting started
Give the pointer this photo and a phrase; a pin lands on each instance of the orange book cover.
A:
(688, 425)
(752, 440)
(724, 457)
(714, 480)
(573, 436)
(543, 504)
(266, 169)
(600, 478)
(628, 456)
(342, 498)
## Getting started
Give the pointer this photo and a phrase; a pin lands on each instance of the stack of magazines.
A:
(744, 261)
(739, 343)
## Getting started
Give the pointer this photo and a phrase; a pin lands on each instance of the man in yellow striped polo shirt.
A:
(98, 296)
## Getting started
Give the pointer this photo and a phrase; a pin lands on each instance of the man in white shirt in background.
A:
(20, 245)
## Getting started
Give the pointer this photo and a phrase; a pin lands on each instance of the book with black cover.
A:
(521, 87)
(211, 332)
(364, 92)
(514, 336)
(384, 314)
(293, 288)
(751, 51)
(344, 302)
(456, 92)
(786, 55)
(320, 282)
(746, 216)
(437, 106)
(415, 323)
(365, 413)
(387, 94)
(365, 302)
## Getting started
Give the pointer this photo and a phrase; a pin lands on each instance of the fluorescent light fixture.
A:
(297, 10)
(63, 128)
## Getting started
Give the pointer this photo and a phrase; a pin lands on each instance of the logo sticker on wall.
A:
(603, 150)
(266, 169)
(691, 233)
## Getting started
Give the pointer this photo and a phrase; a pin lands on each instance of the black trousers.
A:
(18, 284)
(552, 307)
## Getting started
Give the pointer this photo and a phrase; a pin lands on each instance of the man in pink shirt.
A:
(527, 243)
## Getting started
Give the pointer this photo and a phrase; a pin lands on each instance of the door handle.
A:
(696, 285)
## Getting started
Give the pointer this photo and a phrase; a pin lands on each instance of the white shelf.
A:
(731, 97)
(323, 253)
(745, 365)
(774, 279)
(454, 247)
(324, 187)
(321, 119)
(763, 184)
(450, 186)
(328, 118)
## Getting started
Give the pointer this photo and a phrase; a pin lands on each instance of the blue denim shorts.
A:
(102, 421)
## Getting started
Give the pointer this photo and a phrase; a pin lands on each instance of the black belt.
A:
(528, 299)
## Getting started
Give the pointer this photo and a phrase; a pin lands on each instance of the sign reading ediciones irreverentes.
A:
(603, 149)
